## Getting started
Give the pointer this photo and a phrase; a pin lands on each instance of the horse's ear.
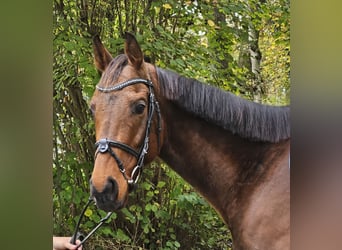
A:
(101, 55)
(133, 51)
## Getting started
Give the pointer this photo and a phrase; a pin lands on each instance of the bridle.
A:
(105, 145)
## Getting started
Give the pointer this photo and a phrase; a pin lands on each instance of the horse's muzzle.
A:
(107, 198)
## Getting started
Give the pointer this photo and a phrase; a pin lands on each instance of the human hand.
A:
(63, 243)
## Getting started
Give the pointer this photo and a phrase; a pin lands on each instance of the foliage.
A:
(206, 40)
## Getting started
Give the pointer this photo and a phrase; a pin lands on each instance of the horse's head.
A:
(127, 122)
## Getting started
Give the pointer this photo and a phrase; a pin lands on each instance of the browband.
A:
(125, 84)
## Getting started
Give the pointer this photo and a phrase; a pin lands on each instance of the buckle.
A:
(103, 145)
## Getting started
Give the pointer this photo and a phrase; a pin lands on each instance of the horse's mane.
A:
(242, 117)
(113, 70)
(247, 119)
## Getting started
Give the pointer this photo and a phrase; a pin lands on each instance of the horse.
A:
(234, 152)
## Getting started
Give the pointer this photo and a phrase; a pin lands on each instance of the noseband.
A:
(105, 145)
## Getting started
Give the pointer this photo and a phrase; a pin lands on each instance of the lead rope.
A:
(78, 236)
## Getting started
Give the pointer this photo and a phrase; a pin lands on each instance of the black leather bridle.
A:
(105, 145)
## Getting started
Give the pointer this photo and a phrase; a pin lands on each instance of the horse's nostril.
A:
(111, 186)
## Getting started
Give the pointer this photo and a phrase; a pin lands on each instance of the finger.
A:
(77, 243)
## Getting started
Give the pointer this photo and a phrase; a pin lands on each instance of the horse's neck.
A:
(211, 159)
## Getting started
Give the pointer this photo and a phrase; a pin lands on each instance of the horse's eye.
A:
(139, 107)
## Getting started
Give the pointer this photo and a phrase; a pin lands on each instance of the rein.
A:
(81, 237)
(105, 145)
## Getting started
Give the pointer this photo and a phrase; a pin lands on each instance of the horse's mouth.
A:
(108, 205)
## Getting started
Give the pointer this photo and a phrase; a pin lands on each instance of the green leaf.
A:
(121, 235)
(161, 184)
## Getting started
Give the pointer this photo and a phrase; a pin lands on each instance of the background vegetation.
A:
(239, 45)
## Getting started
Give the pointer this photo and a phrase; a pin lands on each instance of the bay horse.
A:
(234, 152)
